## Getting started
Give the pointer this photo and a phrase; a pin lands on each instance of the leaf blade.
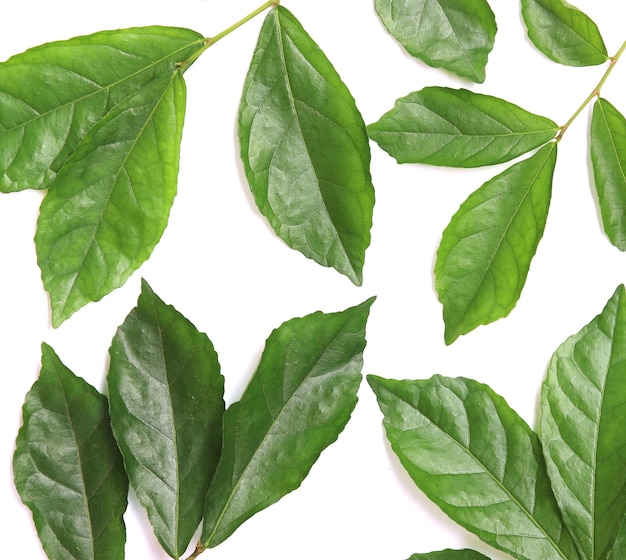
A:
(608, 158)
(583, 404)
(465, 554)
(68, 469)
(166, 409)
(305, 149)
(297, 403)
(486, 250)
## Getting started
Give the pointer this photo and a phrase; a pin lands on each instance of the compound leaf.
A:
(486, 250)
(305, 148)
(563, 33)
(68, 469)
(473, 456)
(458, 128)
(583, 405)
(297, 403)
(608, 157)
(166, 399)
(109, 205)
(448, 554)
(53, 94)
(456, 35)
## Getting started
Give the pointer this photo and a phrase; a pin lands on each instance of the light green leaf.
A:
(474, 457)
(448, 554)
(297, 403)
(608, 157)
(68, 469)
(485, 252)
(52, 95)
(166, 399)
(109, 205)
(583, 429)
(456, 35)
(458, 128)
(305, 148)
(563, 33)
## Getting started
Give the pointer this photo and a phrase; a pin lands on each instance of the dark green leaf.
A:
(608, 157)
(109, 205)
(486, 250)
(458, 128)
(448, 554)
(166, 410)
(563, 33)
(305, 149)
(51, 95)
(457, 35)
(68, 469)
(297, 403)
(618, 550)
(473, 456)
(583, 429)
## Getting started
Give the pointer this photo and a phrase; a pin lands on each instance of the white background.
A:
(220, 264)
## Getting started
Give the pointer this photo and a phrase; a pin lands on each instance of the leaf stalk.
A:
(199, 550)
(595, 93)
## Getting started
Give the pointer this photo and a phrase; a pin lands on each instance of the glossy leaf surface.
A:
(473, 456)
(563, 33)
(583, 428)
(166, 398)
(305, 148)
(618, 550)
(456, 35)
(458, 128)
(448, 554)
(608, 157)
(68, 469)
(53, 94)
(108, 207)
(486, 250)
(297, 403)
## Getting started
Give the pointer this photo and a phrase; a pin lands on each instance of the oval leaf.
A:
(456, 35)
(472, 455)
(108, 207)
(583, 405)
(563, 33)
(458, 128)
(485, 252)
(448, 554)
(608, 157)
(68, 469)
(166, 399)
(51, 95)
(305, 149)
(297, 403)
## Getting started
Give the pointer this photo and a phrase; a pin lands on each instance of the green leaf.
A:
(618, 550)
(485, 252)
(166, 411)
(563, 33)
(297, 403)
(583, 429)
(109, 205)
(53, 94)
(305, 148)
(448, 554)
(474, 457)
(456, 35)
(68, 469)
(608, 157)
(458, 128)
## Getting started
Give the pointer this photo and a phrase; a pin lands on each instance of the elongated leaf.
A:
(166, 411)
(486, 250)
(109, 205)
(457, 35)
(563, 33)
(608, 157)
(458, 128)
(296, 404)
(583, 429)
(305, 149)
(448, 554)
(68, 469)
(51, 95)
(472, 455)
